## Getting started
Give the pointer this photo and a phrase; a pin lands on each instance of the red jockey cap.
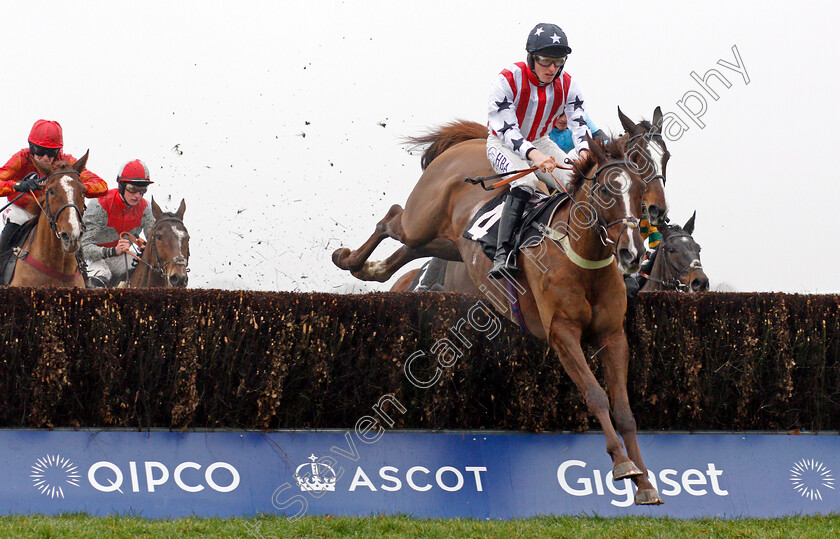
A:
(47, 134)
(135, 172)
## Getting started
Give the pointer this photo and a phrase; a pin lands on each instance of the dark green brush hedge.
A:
(213, 359)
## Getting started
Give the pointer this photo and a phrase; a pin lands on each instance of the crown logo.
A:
(316, 476)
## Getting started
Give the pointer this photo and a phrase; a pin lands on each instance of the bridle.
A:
(648, 136)
(628, 221)
(52, 218)
(159, 267)
(672, 280)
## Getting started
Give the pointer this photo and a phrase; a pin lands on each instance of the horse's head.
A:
(646, 149)
(681, 259)
(614, 200)
(170, 245)
(63, 200)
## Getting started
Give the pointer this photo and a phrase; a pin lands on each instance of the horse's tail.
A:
(439, 140)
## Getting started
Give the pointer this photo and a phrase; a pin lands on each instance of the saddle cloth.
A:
(484, 226)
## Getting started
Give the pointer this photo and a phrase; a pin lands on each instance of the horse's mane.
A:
(615, 149)
(646, 125)
(444, 137)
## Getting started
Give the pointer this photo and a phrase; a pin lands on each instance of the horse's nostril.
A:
(701, 284)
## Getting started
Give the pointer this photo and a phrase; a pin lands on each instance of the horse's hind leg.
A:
(353, 261)
(384, 270)
(615, 359)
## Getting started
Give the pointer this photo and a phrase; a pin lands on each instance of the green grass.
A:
(273, 526)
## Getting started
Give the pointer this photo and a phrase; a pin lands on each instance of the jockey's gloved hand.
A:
(31, 182)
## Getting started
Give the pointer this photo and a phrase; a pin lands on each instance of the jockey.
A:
(525, 100)
(19, 175)
(562, 135)
(121, 210)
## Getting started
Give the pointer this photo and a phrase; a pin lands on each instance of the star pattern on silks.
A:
(517, 144)
(506, 127)
(539, 31)
(580, 121)
(577, 102)
(555, 38)
(582, 138)
(503, 104)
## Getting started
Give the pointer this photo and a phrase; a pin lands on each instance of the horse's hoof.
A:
(625, 469)
(648, 496)
(340, 254)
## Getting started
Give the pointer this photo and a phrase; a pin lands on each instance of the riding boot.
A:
(6, 237)
(509, 222)
(96, 282)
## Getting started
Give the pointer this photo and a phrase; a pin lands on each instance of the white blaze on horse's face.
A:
(621, 180)
(72, 217)
(657, 153)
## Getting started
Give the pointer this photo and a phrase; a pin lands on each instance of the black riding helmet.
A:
(547, 39)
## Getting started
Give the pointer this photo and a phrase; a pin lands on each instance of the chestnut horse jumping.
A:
(571, 287)
(167, 252)
(51, 246)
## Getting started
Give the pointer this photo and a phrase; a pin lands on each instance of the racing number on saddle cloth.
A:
(484, 223)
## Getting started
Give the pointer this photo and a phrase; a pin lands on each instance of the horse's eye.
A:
(671, 250)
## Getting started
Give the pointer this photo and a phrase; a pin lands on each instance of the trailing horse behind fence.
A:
(677, 264)
(166, 254)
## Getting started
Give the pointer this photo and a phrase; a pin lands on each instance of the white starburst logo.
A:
(808, 476)
(51, 473)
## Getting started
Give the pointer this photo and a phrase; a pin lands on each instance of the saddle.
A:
(8, 259)
(484, 226)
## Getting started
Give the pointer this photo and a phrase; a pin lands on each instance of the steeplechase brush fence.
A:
(228, 359)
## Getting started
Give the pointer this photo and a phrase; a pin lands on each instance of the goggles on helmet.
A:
(546, 61)
(40, 151)
(135, 189)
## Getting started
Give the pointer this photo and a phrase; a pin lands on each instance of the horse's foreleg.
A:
(389, 226)
(616, 356)
(564, 338)
(383, 270)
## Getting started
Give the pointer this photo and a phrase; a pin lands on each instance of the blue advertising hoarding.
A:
(473, 475)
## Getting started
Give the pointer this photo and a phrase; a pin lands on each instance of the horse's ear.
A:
(156, 211)
(628, 124)
(79, 165)
(689, 225)
(657, 120)
(596, 149)
(181, 209)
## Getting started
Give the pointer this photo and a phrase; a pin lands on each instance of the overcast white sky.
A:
(216, 98)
